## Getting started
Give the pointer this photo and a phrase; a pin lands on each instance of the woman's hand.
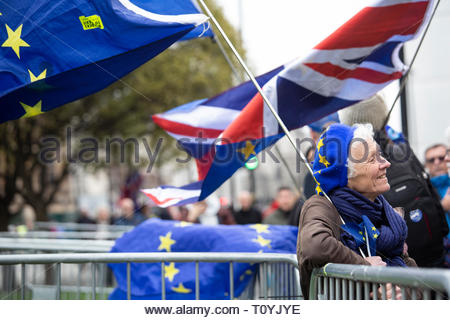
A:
(375, 261)
(389, 292)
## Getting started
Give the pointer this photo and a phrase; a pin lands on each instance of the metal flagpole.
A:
(227, 58)
(367, 241)
(405, 77)
(240, 78)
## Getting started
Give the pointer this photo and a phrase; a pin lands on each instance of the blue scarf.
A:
(352, 205)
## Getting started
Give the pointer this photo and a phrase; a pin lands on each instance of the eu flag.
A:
(157, 235)
(359, 233)
(54, 52)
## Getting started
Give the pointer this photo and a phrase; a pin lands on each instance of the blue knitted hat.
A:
(330, 161)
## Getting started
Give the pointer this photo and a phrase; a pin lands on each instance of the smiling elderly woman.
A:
(350, 169)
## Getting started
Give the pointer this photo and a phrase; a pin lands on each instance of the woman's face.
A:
(370, 167)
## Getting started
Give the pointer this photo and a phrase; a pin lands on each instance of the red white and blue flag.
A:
(352, 64)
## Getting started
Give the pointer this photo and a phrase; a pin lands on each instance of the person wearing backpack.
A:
(411, 188)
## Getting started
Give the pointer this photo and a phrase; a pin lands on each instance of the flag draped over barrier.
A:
(54, 52)
(156, 235)
(352, 64)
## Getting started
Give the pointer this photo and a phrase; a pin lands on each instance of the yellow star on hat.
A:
(324, 161)
(320, 145)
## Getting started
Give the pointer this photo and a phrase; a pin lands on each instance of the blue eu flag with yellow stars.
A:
(157, 235)
(359, 233)
(54, 52)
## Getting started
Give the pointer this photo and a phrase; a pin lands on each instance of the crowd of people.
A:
(283, 210)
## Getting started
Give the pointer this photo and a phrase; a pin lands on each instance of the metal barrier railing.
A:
(45, 274)
(42, 226)
(278, 276)
(55, 245)
(64, 234)
(349, 282)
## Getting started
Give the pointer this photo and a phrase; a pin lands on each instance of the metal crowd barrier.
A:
(277, 277)
(41, 275)
(72, 226)
(54, 245)
(64, 234)
(350, 282)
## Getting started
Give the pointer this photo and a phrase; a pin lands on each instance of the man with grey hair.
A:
(411, 188)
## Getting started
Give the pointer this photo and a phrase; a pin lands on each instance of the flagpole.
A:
(258, 87)
(405, 77)
(240, 79)
(367, 241)
(227, 58)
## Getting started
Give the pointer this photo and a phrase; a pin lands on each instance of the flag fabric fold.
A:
(352, 64)
(52, 53)
(359, 233)
(157, 235)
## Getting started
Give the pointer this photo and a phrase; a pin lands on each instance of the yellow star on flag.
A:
(248, 150)
(260, 228)
(181, 289)
(375, 236)
(183, 224)
(33, 78)
(31, 111)
(320, 145)
(262, 242)
(373, 228)
(14, 41)
(324, 161)
(166, 242)
(170, 271)
(247, 272)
